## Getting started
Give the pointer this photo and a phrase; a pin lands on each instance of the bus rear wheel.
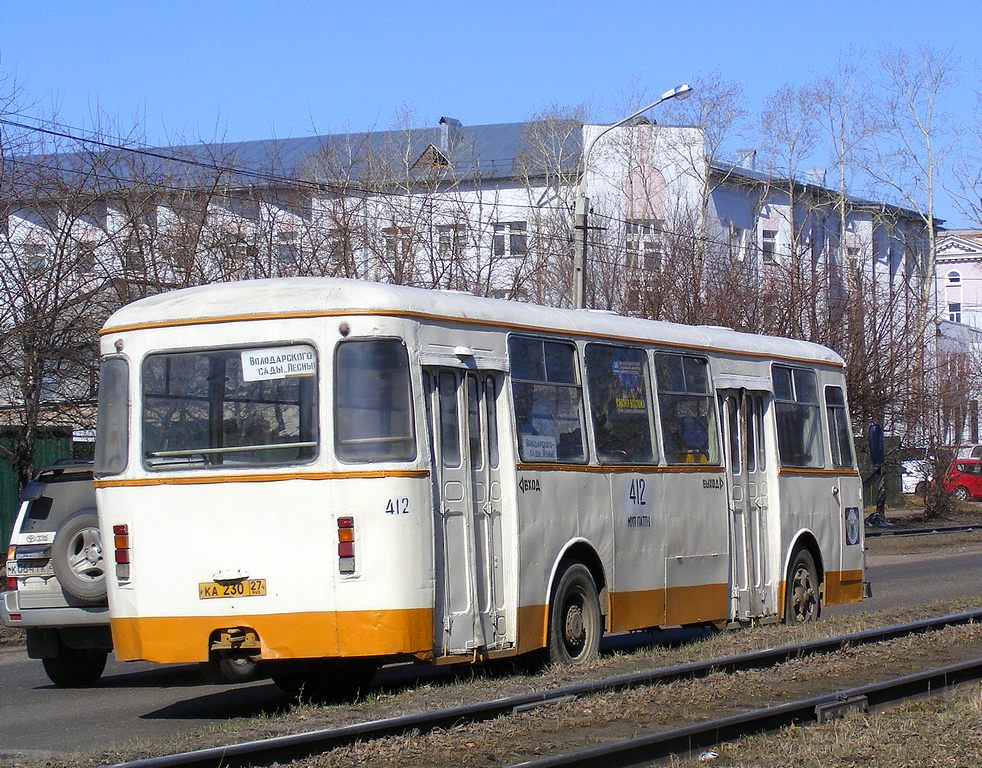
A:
(574, 618)
(802, 601)
(319, 681)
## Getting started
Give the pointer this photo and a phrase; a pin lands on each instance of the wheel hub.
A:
(574, 625)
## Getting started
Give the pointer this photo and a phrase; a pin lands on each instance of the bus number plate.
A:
(247, 588)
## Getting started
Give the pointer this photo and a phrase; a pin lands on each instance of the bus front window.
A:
(254, 407)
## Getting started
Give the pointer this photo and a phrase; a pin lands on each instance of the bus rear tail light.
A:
(346, 545)
(11, 580)
(121, 546)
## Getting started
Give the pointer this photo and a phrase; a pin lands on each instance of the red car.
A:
(964, 479)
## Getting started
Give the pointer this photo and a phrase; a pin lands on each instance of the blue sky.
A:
(245, 70)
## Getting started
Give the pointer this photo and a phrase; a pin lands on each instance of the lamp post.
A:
(583, 200)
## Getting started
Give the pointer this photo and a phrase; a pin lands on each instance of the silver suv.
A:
(56, 585)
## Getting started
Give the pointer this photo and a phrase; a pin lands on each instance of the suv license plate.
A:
(246, 588)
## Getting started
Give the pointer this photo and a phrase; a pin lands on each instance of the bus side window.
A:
(617, 382)
(373, 402)
(548, 400)
(688, 414)
(839, 433)
(799, 430)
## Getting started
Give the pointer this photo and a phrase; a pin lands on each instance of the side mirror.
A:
(877, 448)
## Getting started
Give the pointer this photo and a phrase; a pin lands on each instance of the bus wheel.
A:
(324, 681)
(231, 668)
(574, 618)
(801, 598)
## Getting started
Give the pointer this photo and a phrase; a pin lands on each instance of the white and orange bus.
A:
(311, 470)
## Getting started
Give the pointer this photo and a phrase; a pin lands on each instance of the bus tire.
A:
(802, 600)
(319, 682)
(75, 667)
(574, 617)
(76, 556)
(231, 668)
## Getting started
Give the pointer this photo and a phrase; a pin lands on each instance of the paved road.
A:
(149, 701)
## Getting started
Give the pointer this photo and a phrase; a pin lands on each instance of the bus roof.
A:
(325, 297)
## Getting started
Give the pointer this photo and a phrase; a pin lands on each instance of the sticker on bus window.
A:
(278, 363)
(539, 448)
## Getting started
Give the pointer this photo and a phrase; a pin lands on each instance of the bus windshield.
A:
(250, 406)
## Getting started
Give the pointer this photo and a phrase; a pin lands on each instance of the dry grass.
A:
(942, 731)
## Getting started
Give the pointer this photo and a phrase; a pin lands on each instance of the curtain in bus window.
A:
(548, 400)
(799, 428)
(373, 409)
(839, 434)
(687, 411)
(617, 380)
(252, 406)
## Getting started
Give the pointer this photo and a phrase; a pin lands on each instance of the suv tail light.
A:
(11, 555)
(121, 545)
(346, 545)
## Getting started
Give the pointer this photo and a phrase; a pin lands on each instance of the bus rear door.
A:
(463, 421)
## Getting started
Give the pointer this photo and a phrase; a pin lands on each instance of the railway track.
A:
(877, 532)
(284, 748)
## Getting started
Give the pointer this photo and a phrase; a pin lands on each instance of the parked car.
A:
(969, 451)
(964, 479)
(914, 475)
(56, 586)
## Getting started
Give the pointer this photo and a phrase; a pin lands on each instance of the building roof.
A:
(313, 297)
(471, 153)
(736, 172)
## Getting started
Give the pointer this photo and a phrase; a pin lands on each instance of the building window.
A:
(955, 311)
(398, 242)
(768, 245)
(85, 258)
(451, 241)
(287, 252)
(35, 257)
(954, 278)
(643, 241)
(736, 243)
(510, 239)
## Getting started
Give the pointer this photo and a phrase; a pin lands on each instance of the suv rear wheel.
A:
(75, 667)
(77, 558)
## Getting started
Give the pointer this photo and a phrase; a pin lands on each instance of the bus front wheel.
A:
(574, 618)
(802, 601)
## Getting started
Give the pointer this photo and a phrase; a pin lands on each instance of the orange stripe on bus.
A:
(668, 607)
(281, 636)
(259, 478)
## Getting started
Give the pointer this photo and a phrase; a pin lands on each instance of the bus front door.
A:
(746, 464)
(463, 409)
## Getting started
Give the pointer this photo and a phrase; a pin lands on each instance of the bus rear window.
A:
(255, 406)
(373, 411)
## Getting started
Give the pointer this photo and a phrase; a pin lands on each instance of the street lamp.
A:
(583, 200)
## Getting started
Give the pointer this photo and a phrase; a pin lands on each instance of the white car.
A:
(913, 475)
(56, 586)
